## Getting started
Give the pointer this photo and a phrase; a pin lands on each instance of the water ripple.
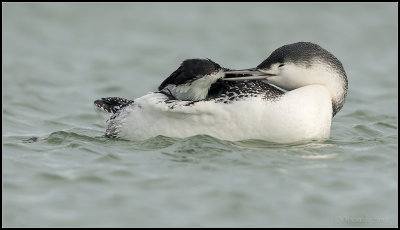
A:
(60, 137)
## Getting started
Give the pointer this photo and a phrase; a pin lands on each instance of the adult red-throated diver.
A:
(251, 109)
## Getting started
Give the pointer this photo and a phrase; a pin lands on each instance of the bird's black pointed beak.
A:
(246, 74)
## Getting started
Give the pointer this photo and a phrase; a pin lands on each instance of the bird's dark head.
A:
(300, 64)
(193, 78)
(199, 67)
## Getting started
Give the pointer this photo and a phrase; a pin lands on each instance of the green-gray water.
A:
(58, 169)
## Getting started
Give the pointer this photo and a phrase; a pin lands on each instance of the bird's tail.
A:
(108, 106)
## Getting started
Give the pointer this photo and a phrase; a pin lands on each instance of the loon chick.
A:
(192, 80)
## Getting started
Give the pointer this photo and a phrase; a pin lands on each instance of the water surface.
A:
(59, 170)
